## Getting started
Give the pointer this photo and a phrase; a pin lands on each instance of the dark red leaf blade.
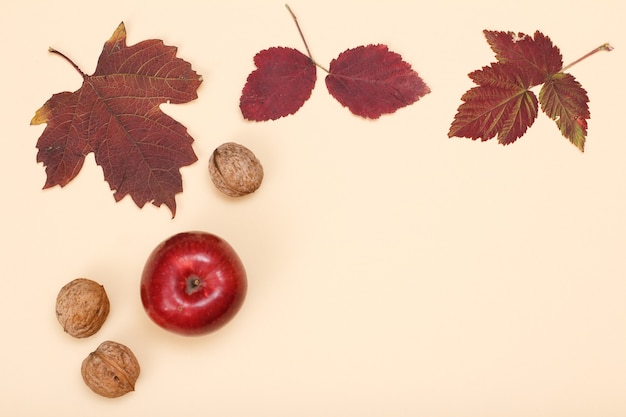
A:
(565, 101)
(371, 81)
(536, 56)
(281, 84)
(116, 115)
(63, 144)
(500, 105)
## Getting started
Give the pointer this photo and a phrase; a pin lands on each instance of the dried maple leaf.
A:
(502, 104)
(115, 114)
(369, 80)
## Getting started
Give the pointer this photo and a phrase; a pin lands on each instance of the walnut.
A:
(111, 370)
(235, 170)
(82, 307)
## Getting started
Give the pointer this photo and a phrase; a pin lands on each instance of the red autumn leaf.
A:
(536, 56)
(115, 114)
(564, 100)
(282, 82)
(501, 105)
(371, 81)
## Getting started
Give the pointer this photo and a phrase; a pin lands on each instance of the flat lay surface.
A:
(391, 270)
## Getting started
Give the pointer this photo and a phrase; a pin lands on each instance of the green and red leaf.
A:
(565, 101)
(502, 104)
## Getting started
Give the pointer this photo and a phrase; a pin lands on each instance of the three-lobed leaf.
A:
(503, 105)
(115, 114)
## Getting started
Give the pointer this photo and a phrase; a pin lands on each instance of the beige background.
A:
(392, 271)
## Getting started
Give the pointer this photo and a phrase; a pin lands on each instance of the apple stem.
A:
(193, 283)
(308, 51)
(54, 51)
(603, 47)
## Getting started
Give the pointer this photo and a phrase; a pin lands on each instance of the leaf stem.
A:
(54, 51)
(603, 47)
(308, 51)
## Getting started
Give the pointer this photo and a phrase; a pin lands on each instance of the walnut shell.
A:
(235, 170)
(111, 370)
(82, 307)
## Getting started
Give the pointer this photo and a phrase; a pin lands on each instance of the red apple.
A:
(193, 283)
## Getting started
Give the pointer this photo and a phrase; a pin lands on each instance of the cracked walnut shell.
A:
(111, 370)
(82, 307)
(235, 170)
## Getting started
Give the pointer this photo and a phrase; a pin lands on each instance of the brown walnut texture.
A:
(235, 170)
(82, 307)
(111, 370)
